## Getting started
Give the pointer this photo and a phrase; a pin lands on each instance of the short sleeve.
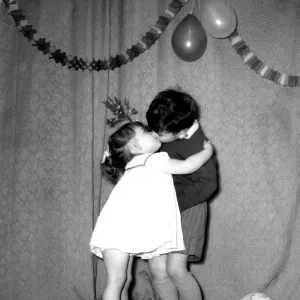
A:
(158, 160)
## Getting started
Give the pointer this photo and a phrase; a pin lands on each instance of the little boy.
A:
(173, 115)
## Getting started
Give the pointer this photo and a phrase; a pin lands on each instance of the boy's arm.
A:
(195, 193)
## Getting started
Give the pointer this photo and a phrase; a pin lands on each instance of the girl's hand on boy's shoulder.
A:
(207, 145)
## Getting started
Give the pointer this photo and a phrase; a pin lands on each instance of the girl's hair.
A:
(172, 111)
(120, 155)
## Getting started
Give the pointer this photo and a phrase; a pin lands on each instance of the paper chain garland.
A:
(95, 65)
(258, 66)
(146, 42)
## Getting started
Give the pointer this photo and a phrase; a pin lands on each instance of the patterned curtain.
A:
(52, 127)
(53, 133)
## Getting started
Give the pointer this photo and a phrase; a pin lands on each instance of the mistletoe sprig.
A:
(121, 110)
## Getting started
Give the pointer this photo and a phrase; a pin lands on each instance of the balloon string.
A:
(193, 7)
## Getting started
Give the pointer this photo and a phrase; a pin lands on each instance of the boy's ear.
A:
(135, 147)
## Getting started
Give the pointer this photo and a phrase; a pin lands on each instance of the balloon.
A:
(217, 18)
(189, 40)
(256, 296)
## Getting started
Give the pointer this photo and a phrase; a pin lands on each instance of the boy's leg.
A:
(186, 284)
(124, 295)
(162, 283)
(116, 263)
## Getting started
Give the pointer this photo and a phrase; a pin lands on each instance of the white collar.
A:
(192, 129)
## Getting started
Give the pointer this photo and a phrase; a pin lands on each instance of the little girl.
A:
(141, 217)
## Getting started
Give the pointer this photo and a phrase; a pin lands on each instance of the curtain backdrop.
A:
(53, 134)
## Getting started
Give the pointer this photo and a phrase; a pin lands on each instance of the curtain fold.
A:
(53, 133)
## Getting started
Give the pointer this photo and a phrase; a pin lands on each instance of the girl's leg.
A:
(160, 279)
(124, 295)
(186, 284)
(116, 263)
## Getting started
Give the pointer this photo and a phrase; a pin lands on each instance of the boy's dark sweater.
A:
(192, 189)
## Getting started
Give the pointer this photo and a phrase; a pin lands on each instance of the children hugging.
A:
(158, 208)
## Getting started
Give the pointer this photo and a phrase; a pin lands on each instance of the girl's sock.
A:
(188, 288)
(165, 289)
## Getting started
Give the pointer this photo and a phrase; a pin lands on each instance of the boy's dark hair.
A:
(119, 156)
(172, 111)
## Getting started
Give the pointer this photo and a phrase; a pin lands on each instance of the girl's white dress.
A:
(141, 215)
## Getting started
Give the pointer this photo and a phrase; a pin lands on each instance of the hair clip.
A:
(105, 155)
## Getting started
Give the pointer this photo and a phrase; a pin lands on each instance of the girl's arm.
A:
(189, 165)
